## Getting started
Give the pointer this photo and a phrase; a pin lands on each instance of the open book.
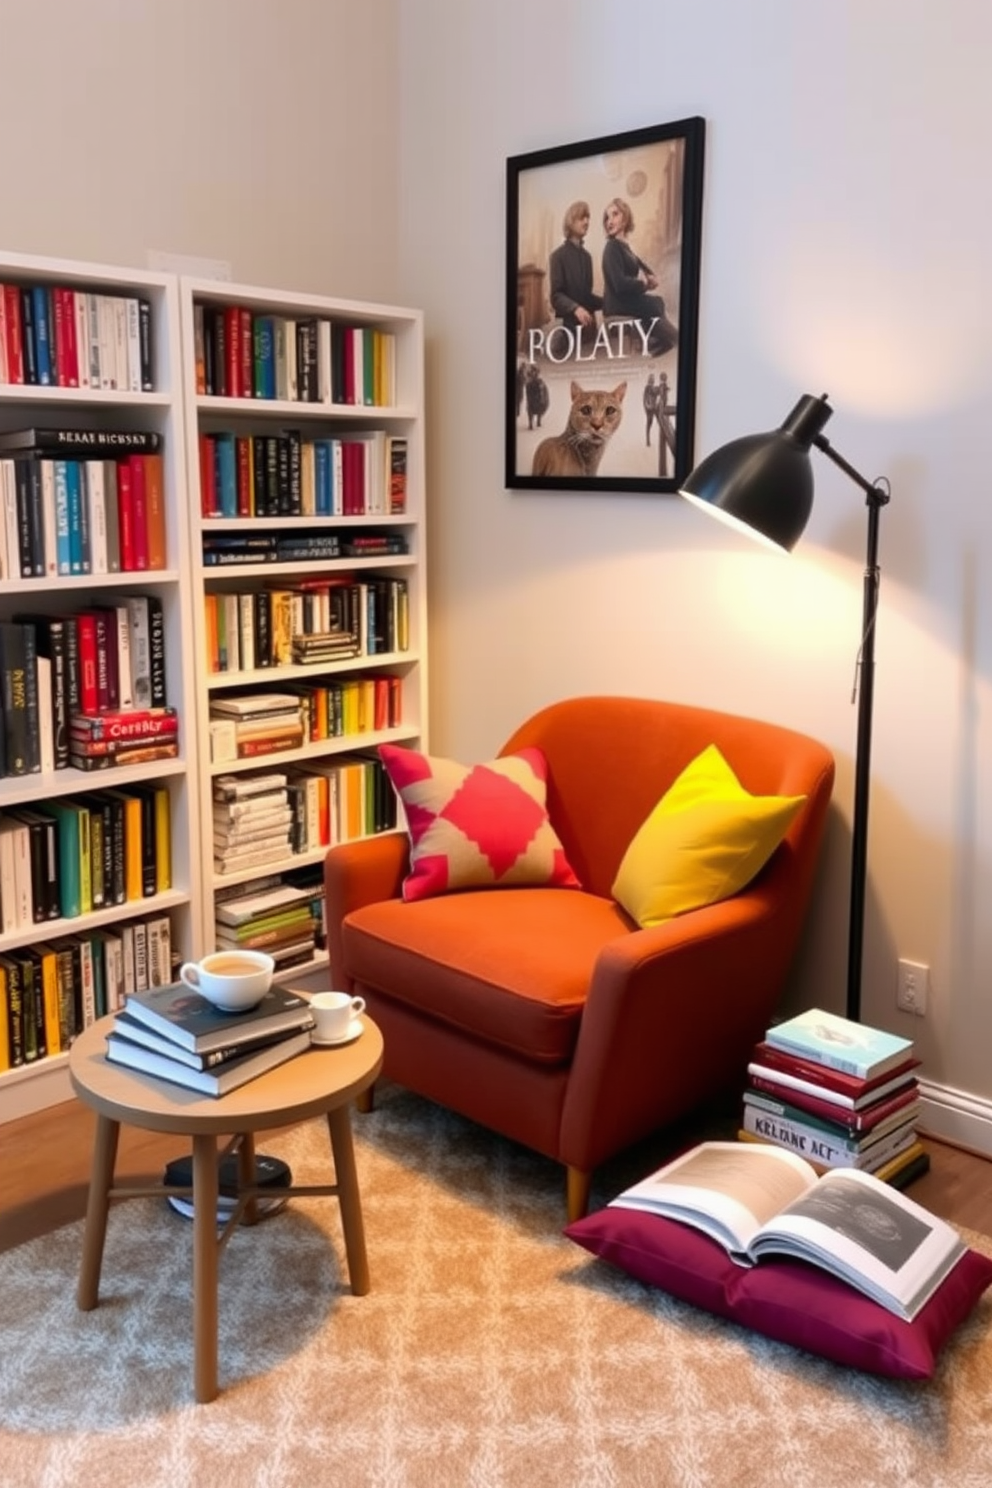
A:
(764, 1201)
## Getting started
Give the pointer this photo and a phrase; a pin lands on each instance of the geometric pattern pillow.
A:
(476, 826)
(704, 841)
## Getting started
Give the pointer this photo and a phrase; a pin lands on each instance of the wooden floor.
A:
(45, 1159)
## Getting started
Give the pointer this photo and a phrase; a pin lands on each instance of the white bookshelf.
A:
(41, 1083)
(208, 413)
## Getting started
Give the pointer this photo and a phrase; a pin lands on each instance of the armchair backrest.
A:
(610, 759)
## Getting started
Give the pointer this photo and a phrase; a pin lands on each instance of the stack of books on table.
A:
(838, 1093)
(176, 1034)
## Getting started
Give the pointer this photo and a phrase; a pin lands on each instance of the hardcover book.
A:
(137, 1032)
(191, 1021)
(840, 1044)
(760, 1201)
(66, 442)
(770, 1077)
(217, 1081)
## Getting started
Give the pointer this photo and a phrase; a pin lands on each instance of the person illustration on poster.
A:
(570, 273)
(536, 396)
(628, 282)
(521, 381)
(652, 393)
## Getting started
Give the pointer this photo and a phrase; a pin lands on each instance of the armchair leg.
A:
(579, 1186)
(365, 1100)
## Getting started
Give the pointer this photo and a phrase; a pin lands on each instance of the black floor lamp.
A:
(763, 485)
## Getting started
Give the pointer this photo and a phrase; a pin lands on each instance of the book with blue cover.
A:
(840, 1044)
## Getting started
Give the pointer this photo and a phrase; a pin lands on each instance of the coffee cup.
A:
(333, 1013)
(232, 980)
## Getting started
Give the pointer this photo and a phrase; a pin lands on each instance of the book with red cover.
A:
(819, 1074)
(89, 699)
(863, 1120)
(232, 345)
(125, 518)
(15, 333)
(247, 374)
(139, 511)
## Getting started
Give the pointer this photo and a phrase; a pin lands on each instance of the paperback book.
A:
(761, 1201)
(840, 1044)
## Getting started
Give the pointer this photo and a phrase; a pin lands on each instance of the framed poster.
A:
(602, 307)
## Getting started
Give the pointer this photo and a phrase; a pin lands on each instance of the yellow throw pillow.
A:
(704, 841)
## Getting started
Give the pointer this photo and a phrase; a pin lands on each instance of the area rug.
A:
(490, 1353)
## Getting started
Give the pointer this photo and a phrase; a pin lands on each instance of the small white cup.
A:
(233, 981)
(332, 1015)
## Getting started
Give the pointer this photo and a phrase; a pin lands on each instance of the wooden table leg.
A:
(346, 1174)
(205, 1187)
(246, 1174)
(97, 1208)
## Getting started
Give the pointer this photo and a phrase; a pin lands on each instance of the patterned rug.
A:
(490, 1353)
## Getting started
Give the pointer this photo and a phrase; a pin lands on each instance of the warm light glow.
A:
(734, 522)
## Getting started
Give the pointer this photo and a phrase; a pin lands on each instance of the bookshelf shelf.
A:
(159, 410)
(259, 340)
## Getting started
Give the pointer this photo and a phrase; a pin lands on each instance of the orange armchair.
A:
(546, 1014)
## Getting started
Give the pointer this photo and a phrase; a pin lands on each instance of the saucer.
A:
(354, 1029)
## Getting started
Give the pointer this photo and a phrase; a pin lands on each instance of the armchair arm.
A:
(356, 874)
(672, 1015)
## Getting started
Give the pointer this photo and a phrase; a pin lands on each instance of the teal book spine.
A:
(70, 888)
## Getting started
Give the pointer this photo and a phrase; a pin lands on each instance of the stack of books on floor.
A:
(177, 1035)
(838, 1093)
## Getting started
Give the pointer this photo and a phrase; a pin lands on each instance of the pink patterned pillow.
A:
(476, 826)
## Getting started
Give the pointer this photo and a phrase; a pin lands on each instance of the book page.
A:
(869, 1233)
(727, 1189)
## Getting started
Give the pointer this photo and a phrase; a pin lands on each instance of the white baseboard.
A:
(956, 1117)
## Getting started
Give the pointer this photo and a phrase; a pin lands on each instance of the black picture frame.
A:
(609, 443)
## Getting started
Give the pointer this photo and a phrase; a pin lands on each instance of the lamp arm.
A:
(877, 496)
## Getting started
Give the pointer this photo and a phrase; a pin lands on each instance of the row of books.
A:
(54, 336)
(313, 621)
(305, 545)
(284, 475)
(838, 1093)
(64, 858)
(178, 1036)
(51, 991)
(61, 675)
(261, 819)
(66, 517)
(242, 354)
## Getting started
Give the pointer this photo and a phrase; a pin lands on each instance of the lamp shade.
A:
(763, 483)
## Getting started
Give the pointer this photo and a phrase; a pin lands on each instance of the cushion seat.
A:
(511, 967)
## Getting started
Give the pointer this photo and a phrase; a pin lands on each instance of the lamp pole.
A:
(876, 496)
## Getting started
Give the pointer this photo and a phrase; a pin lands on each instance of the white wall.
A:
(260, 134)
(847, 242)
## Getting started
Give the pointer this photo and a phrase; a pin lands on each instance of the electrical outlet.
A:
(914, 984)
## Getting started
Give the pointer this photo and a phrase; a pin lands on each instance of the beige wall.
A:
(258, 133)
(847, 238)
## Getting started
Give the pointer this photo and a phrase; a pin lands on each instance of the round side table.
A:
(319, 1082)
